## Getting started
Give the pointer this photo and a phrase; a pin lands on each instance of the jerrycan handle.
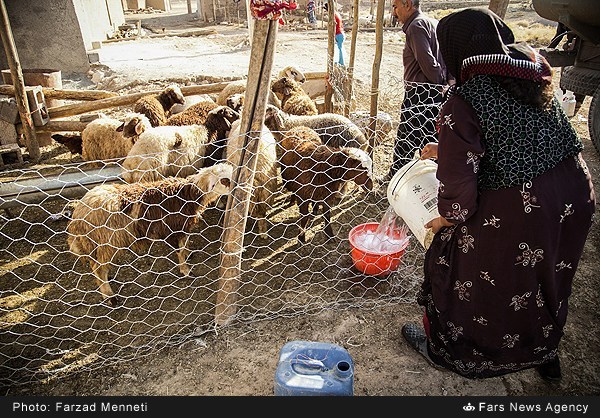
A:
(307, 366)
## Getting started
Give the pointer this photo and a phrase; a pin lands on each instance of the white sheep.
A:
(156, 107)
(179, 150)
(112, 218)
(266, 182)
(315, 172)
(294, 99)
(102, 139)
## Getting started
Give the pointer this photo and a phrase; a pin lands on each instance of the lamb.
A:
(193, 115)
(103, 139)
(112, 218)
(333, 129)
(294, 100)
(266, 178)
(156, 107)
(314, 172)
(179, 150)
(239, 86)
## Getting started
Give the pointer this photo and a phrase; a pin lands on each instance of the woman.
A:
(339, 34)
(516, 201)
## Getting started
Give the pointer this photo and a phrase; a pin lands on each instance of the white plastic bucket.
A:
(412, 193)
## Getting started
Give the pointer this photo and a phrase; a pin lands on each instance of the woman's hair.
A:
(528, 92)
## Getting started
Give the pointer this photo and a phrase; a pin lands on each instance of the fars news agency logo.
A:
(468, 407)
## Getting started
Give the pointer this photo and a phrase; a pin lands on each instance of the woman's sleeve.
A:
(460, 150)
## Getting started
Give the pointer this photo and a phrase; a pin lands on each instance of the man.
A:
(424, 79)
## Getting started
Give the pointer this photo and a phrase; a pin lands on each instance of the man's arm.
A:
(419, 41)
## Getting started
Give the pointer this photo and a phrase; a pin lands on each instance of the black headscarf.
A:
(479, 36)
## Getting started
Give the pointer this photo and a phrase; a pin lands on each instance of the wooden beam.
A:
(16, 73)
(348, 105)
(128, 99)
(51, 93)
(375, 76)
(236, 213)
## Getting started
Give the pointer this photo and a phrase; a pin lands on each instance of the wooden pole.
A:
(19, 83)
(189, 6)
(128, 99)
(255, 101)
(375, 75)
(348, 106)
(51, 93)
(330, 54)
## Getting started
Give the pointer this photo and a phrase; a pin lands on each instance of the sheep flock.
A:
(175, 164)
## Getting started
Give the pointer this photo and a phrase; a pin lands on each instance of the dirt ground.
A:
(242, 359)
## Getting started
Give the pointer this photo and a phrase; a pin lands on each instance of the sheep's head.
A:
(284, 86)
(174, 95)
(293, 73)
(274, 118)
(236, 101)
(221, 117)
(361, 167)
(134, 125)
(216, 179)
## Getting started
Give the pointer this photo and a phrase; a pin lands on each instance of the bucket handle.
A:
(403, 174)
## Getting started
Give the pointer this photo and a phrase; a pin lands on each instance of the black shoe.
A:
(417, 339)
(550, 371)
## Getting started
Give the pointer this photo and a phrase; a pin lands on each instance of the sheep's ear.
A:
(139, 128)
(120, 127)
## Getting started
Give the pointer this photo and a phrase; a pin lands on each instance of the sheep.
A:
(193, 115)
(156, 107)
(266, 178)
(294, 100)
(189, 101)
(333, 129)
(239, 86)
(111, 218)
(314, 172)
(103, 139)
(383, 124)
(179, 150)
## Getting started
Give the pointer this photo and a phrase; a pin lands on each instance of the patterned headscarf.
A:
(476, 41)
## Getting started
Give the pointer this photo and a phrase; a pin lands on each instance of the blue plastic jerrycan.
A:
(308, 368)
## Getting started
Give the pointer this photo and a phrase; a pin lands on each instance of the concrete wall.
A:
(98, 20)
(56, 34)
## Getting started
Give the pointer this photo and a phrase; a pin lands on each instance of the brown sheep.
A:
(294, 99)
(193, 115)
(114, 218)
(156, 107)
(315, 172)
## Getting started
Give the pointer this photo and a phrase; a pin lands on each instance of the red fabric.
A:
(426, 324)
(270, 9)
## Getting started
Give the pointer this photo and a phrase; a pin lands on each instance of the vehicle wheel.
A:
(582, 81)
(594, 119)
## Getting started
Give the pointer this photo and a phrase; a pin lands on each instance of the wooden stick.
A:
(51, 93)
(58, 126)
(16, 73)
(375, 76)
(255, 101)
(128, 99)
(352, 56)
(330, 54)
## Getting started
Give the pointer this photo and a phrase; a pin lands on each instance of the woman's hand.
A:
(438, 223)
(429, 151)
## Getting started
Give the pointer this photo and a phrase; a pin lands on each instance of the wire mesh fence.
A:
(57, 320)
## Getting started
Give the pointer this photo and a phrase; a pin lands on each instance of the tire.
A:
(594, 119)
(581, 81)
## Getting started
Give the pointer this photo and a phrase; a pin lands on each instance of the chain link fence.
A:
(55, 320)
